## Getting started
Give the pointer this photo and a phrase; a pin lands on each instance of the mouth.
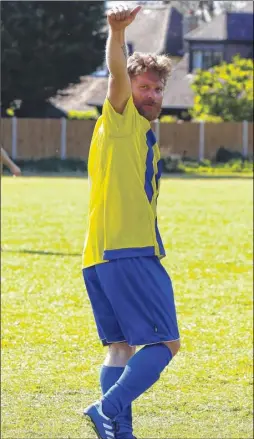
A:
(150, 106)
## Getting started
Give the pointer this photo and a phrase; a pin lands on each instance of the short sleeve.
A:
(119, 125)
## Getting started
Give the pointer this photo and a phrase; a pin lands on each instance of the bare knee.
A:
(173, 346)
(119, 354)
(122, 350)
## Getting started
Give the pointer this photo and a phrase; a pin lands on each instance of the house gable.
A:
(240, 26)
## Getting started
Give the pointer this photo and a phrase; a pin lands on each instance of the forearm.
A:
(116, 53)
(119, 84)
(5, 159)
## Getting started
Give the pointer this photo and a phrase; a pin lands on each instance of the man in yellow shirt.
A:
(130, 292)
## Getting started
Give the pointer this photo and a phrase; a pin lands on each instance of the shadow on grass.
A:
(40, 252)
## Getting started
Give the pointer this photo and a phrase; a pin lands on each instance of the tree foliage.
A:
(46, 45)
(224, 92)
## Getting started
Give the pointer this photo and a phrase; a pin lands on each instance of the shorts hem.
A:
(105, 342)
(143, 343)
(154, 342)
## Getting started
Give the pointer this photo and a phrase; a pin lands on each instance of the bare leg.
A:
(119, 354)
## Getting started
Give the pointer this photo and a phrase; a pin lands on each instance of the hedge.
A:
(169, 165)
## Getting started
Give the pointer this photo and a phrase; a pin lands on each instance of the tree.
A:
(48, 45)
(225, 92)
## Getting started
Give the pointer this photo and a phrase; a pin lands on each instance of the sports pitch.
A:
(50, 351)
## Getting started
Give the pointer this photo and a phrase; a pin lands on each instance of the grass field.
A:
(50, 352)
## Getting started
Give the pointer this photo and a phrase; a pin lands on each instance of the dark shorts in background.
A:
(132, 301)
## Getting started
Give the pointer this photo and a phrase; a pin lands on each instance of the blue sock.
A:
(141, 372)
(108, 377)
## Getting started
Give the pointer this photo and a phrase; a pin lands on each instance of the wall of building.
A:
(244, 50)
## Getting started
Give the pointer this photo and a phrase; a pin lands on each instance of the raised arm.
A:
(119, 86)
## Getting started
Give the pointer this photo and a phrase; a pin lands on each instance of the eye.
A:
(159, 89)
(144, 87)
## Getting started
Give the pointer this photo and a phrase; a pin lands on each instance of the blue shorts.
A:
(132, 301)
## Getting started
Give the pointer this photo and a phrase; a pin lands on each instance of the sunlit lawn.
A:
(50, 352)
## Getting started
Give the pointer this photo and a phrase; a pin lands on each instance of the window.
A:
(206, 59)
(197, 59)
(250, 54)
(217, 58)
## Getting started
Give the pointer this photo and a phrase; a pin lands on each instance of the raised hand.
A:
(120, 17)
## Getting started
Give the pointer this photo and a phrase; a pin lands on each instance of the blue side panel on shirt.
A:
(158, 175)
(150, 141)
(150, 138)
(159, 240)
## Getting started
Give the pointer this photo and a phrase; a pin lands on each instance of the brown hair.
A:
(139, 63)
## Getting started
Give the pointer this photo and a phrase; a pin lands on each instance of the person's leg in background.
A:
(117, 357)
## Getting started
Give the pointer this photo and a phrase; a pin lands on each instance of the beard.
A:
(149, 112)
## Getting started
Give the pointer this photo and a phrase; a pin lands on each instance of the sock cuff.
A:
(161, 347)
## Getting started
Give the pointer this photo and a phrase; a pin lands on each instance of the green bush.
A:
(84, 115)
(168, 119)
(208, 118)
(170, 165)
(205, 163)
(10, 112)
(224, 92)
(174, 164)
(52, 164)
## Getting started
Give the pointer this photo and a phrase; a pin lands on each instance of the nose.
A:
(151, 94)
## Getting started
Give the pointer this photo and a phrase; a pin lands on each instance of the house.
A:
(169, 24)
(210, 43)
(158, 28)
(179, 96)
(227, 35)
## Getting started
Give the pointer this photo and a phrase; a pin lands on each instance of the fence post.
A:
(157, 130)
(63, 138)
(14, 138)
(201, 140)
(245, 138)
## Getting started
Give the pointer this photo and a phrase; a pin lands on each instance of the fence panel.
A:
(250, 139)
(180, 138)
(38, 138)
(226, 134)
(78, 138)
(6, 134)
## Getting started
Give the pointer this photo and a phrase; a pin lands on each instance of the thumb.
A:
(135, 11)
